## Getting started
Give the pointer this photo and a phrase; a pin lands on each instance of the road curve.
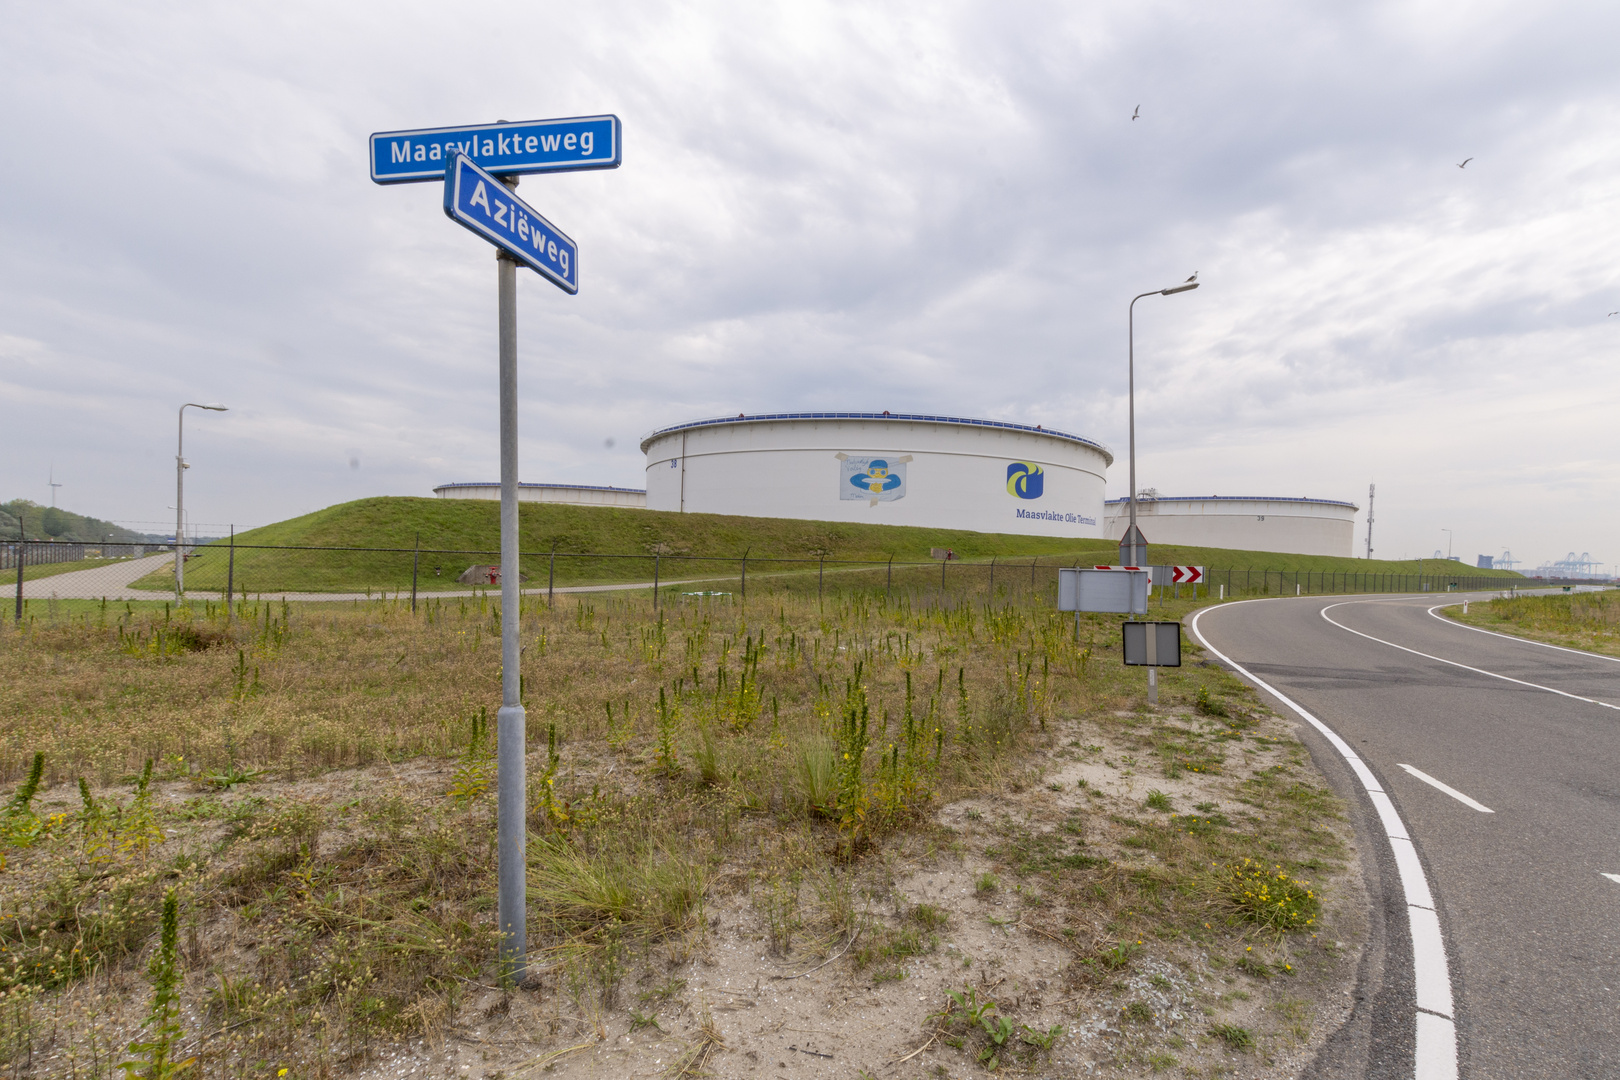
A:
(1530, 738)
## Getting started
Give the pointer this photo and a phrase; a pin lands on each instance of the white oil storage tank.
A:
(1302, 526)
(890, 468)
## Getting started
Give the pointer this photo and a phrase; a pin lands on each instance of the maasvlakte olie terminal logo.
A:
(1025, 480)
(875, 479)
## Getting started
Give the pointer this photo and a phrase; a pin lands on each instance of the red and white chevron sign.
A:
(1186, 575)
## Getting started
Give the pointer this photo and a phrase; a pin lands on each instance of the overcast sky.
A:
(927, 207)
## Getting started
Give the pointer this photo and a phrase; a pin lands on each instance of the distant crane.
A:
(1570, 566)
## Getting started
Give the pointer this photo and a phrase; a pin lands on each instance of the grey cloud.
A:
(822, 205)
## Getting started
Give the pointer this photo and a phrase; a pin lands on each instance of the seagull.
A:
(1612, 313)
(1193, 278)
(1465, 162)
(1137, 113)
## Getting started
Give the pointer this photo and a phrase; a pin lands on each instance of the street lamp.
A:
(1133, 547)
(1448, 543)
(180, 468)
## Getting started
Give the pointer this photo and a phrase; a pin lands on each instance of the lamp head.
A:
(216, 406)
(1178, 288)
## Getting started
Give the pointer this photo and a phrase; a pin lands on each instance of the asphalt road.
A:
(1531, 925)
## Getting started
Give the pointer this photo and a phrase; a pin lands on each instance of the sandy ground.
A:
(813, 1018)
(725, 1006)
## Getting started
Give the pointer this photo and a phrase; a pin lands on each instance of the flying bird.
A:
(1137, 113)
(1465, 162)
(1612, 313)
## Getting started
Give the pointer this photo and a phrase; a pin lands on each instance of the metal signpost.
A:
(479, 165)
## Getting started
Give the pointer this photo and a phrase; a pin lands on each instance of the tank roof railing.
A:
(915, 418)
(1122, 500)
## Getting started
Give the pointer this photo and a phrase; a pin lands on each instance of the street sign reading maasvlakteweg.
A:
(530, 146)
(477, 200)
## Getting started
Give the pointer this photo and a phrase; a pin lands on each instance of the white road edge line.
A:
(1453, 792)
(1435, 1053)
(1613, 877)
(1454, 663)
(1509, 637)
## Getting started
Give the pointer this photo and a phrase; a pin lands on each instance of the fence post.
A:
(746, 550)
(889, 583)
(416, 562)
(821, 573)
(656, 556)
(942, 563)
(21, 559)
(992, 578)
(230, 575)
(1032, 563)
(551, 578)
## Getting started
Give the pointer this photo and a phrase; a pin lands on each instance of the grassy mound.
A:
(456, 533)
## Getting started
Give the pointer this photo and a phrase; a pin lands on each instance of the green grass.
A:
(1588, 621)
(695, 546)
(674, 744)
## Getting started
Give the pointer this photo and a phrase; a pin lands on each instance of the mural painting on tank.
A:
(874, 479)
(1025, 480)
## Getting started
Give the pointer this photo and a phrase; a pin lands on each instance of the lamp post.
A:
(180, 468)
(1448, 543)
(1133, 547)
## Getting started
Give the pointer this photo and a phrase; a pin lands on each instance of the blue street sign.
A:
(580, 142)
(476, 199)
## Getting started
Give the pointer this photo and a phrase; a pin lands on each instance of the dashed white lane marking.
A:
(1435, 1053)
(1453, 792)
(1522, 641)
(1453, 663)
(1613, 877)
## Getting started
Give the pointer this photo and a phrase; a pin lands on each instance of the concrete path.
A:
(113, 582)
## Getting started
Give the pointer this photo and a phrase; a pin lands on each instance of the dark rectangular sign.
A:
(1152, 644)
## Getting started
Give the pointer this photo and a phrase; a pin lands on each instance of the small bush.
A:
(1210, 706)
(1158, 800)
(1270, 897)
(648, 890)
(1238, 1038)
(1254, 966)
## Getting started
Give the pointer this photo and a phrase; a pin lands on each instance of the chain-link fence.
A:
(39, 570)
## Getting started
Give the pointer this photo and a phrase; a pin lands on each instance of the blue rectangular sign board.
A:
(477, 200)
(531, 146)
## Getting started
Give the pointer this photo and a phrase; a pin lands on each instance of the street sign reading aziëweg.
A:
(480, 202)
